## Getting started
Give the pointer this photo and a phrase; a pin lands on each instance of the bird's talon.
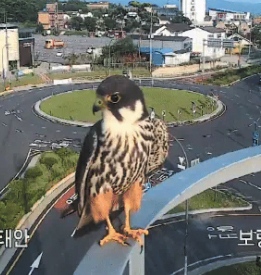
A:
(114, 236)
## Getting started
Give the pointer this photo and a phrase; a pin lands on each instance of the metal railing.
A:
(114, 259)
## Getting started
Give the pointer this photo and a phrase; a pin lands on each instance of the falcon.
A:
(118, 154)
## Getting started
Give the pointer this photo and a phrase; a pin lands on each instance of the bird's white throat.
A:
(129, 119)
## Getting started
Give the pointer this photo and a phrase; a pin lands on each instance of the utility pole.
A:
(203, 57)
(6, 43)
(151, 39)
(187, 205)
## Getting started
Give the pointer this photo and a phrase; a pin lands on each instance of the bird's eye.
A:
(115, 98)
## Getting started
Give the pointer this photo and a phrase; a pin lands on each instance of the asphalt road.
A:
(227, 133)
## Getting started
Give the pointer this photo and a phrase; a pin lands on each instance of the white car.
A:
(59, 54)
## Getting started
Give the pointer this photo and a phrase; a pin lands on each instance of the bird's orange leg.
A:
(113, 235)
(132, 200)
(133, 233)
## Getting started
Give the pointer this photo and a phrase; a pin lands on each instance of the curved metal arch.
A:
(113, 258)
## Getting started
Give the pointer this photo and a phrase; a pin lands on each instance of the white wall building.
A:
(199, 34)
(229, 16)
(195, 10)
(10, 55)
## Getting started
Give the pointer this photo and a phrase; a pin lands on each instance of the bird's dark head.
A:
(122, 98)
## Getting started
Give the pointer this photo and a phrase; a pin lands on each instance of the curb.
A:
(28, 221)
(239, 80)
(43, 115)
(215, 114)
(215, 265)
(205, 211)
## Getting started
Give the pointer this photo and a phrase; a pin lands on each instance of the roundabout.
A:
(228, 133)
(74, 107)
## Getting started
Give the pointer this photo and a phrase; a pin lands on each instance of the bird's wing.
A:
(84, 162)
(160, 146)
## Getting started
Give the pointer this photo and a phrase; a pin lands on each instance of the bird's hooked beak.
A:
(98, 105)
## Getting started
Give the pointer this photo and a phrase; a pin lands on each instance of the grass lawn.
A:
(230, 75)
(78, 105)
(25, 80)
(248, 268)
(98, 74)
(210, 199)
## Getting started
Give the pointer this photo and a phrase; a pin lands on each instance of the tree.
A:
(72, 59)
(110, 23)
(131, 25)
(120, 48)
(134, 4)
(76, 23)
(180, 18)
(90, 23)
(256, 35)
(39, 28)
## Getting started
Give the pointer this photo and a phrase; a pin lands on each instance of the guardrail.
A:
(116, 259)
(29, 220)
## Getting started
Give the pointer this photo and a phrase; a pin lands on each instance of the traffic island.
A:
(174, 106)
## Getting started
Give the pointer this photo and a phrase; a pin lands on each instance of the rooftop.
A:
(212, 29)
(159, 37)
(178, 27)
(227, 11)
(8, 26)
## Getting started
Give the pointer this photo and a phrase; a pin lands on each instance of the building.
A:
(257, 21)
(51, 17)
(229, 28)
(165, 56)
(163, 20)
(26, 47)
(103, 5)
(9, 56)
(229, 16)
(198, 36)
(176, 43)
(163, 11)
(195, 10)
(172, 29)
(240, 43)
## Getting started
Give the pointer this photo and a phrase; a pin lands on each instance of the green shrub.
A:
(49, 161)
(63, 152)
(33, 172)
(58, 170)
(70, 161)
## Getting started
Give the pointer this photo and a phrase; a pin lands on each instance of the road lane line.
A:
(205, 260)
(34, 230)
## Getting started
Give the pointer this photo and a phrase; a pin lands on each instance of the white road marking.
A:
(202, 261)
(73, 233)
(58, 131)
(43, 127)
(75, 133)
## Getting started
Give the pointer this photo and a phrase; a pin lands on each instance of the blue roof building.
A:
(158, 54)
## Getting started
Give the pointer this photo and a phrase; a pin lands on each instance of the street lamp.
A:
(110, 54)
(187, 203)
